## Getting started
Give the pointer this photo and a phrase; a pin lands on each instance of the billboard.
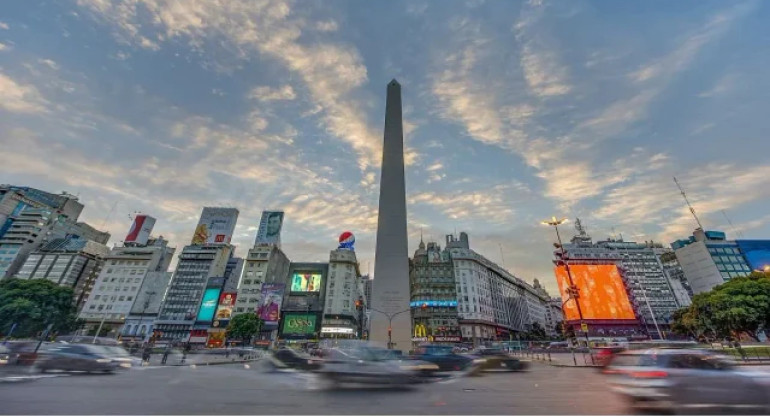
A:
(140, 230)
(602, 292)
(270, 305)
(299, 324)
(270, 227)
(225, 308)
(216, 226)
(347, 241)
(306, 282)
(208, 305)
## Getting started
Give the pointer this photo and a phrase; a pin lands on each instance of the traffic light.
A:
(358, 304)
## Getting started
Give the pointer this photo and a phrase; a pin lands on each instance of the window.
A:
(96, 297)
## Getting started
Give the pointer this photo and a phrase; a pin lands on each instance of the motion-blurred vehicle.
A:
(425, 370)
(687, 380)
(603, 355)
(79, 357)
(496, 359)
(5, 355)
(365, 365)
(287, 358)
(119, 354)
(446, 360)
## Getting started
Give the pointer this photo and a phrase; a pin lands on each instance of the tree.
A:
(535, 333)
(244, 327)
(738, 307)
(33, 305)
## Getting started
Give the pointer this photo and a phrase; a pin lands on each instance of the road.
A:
(244, 389)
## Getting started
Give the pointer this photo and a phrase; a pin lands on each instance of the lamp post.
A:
(572, 290)
(390, 323)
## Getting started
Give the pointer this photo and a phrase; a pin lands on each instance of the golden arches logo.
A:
(420, 331)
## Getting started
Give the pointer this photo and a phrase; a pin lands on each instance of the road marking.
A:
(13, 379)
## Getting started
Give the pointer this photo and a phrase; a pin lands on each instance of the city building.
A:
(553, 317)
(643, 274)
(343, 315)
(756, 253)
(303, 305)
(138, 326)
(216, 306)
(206, 257)
(433, 296)
(263, 264)
(675, 275)
(709, 259)
(122, 280)
(15, 199)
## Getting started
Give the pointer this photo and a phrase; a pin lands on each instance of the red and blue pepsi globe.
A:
(347, 240)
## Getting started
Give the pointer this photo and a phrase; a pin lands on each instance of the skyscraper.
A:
(390, 292)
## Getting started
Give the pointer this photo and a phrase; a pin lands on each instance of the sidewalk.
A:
(175, 359)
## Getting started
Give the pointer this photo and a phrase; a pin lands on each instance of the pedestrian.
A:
(166, 352)
(146, 354)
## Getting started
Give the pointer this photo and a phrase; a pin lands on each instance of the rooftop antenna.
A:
(502, 258)
(732, 227)
(109, 214)
(692, 210)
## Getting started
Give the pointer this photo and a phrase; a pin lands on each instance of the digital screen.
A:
(602, 292)
(299, 324)
(208, 305)
(306, 282)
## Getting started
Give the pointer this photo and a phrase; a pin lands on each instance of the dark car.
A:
(498, 359)
(78, 357)
(288, 358)
(445, 358)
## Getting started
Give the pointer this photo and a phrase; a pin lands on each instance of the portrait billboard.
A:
(225, 308)
(270, 227)
(216, 226)
(140, 230)
(270, 305)
(602, 292)
(295, 324)
(306, 282)
(208, 304)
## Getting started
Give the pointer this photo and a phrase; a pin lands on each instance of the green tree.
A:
(244, 327)
(734, 308)
(535, 333)
(34, 304)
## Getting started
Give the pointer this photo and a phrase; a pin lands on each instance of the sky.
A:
(513, 112)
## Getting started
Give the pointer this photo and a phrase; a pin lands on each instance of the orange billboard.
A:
(602, 292)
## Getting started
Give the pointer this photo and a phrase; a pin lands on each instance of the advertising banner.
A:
(306, 282)
(225, 309)
(299, 324)
(216, 226)
(208, 305)
(270, 306)
(270, 227)
(140, 230)
(347, 241)
(602, 292)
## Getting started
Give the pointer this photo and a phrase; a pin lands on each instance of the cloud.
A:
(4, 26)
(3, 46)
(49, 63)
(285, 92)
(490, 204)
(19, 98)
(724, 85)
(434, 167)
(327, 26)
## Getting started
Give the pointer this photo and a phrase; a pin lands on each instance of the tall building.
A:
(553, 317)
(29, 218)
(675, 275)
(303, 305)
(390, 294)
(433, 296)
(642, 272)
(709, 259)
(341, 317)
(205, 258)
(122, 280)
(73, 262)
(263, 264)
(138, 326)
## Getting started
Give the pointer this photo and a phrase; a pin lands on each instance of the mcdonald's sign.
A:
(420, 331)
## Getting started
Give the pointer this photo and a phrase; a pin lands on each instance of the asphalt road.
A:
(244, 389)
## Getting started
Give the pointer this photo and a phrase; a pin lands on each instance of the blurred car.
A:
(119, 354)
(499, 359)
(79, 357)
(288, 358)
(5, 355)
(603, 355)
(682, 380)
(424, 369)
(446, 359)
(364, 365)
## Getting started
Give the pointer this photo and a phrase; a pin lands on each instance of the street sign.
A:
(584, 327)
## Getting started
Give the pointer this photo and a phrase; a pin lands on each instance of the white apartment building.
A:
(263, 264)
(343, 289)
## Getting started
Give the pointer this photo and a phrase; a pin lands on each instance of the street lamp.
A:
(390, 324)
(572, 291)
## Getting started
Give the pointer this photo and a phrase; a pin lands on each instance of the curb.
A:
(206, 364)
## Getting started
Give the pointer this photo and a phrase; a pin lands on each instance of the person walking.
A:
(166, 352)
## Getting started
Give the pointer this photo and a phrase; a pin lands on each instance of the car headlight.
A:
(103, 360)
(479, 361)
(125, 365)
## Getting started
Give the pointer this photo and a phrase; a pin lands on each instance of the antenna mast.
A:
(692, 210)
(732, 227)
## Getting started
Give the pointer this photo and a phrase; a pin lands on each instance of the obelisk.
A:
(391, 320)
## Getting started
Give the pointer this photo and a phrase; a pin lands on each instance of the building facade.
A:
(343, 315)
(139, 323)
(303, 305)
(709, 259)
(553, 317)
(263, 264)
(433, 296)
(120, 282)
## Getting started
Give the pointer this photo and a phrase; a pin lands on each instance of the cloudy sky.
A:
(514, 111)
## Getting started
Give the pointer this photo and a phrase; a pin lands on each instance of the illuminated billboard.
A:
(209, 304)
(270, 305)
(306, 282)
(140, 230)
(602, 292)
(225, 308)
(215, 226)
(270, 227)
(299, 324)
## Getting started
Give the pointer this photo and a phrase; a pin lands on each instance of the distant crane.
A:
(692, 210)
